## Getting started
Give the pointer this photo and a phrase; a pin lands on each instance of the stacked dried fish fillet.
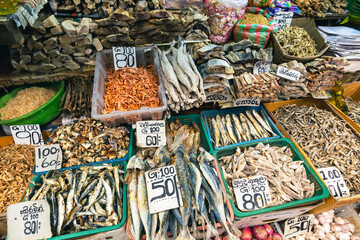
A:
(290, 89)
(263, 86)
(327, 140)
(183, 82)
(354, 110)
(287, 178)
(324, 72)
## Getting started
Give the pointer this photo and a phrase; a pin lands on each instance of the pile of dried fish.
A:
(183, 82)
(326, 139)
(354, 110)
(87, 141)
(291, 89)
(324, 72)
(232, 129)
(320, 8)
(263, 86)
(287, 178)
(80, 200)
(295, 41)
(16, 171)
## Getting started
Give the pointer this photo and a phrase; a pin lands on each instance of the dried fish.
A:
(354, 110)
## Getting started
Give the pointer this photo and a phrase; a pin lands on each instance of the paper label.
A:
(247, 102)
(283, 19)
(252, 193)
(215, 97)
(321, 94)
(335, 182)
(261, 67)
(298, 226)
(163, 189)
(288, 74)
(27, 134)
(48, 157)
(150, 133)
(124, 57)
(29, 220)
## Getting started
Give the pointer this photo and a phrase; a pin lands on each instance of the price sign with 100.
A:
(335, 182)
(283, 19)
(48, 157)
(150, 133)
(298, 226)
(27, 134)
(252, 193)
(124, 57)
(29, 220)
(163, 189)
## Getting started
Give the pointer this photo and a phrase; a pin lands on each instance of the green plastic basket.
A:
(43, 114)
(81, 234)
(321, 191)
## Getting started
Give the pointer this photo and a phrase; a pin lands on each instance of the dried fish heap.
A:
(83, 199)
(354, 110)
(291, 89)
(287, 178)
(183, 82)
(325, 139)
(320, 8)
(87, 141)
(263, 86)
(324, 72)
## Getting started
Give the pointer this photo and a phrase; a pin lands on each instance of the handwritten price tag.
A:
(283, 19)
(261, 67)
(48, 157)
(298, 226)
(29, 220)
(27, 134)
(252, 193)
(163, 189)
(245, 102)
(150, 133)
(124, 57)
(215, 97)
(335, 182)
(288, 74)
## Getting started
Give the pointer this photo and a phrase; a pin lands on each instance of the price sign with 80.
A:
(124, 57)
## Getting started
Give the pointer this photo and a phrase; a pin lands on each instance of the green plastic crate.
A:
(321, 191)
(81, 234)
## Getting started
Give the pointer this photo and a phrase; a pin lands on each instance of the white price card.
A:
(335, 182)
(283, 19)
(288, 74)
(217, 97)
(27, 134)
(247, 102)
(150, 133)
(48, 157)
(29, 220)
(261, 67)
(252, 193)
(124, 57)
(298, 226)
(163, 189)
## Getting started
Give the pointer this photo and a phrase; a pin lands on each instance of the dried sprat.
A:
(251, 18)
(354, 107)
(325, 139)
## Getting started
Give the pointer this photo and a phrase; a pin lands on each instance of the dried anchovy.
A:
(16, 172)
(354, 107)
(296, 41)
(325, 139)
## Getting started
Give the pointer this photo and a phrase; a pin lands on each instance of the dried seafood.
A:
(16, 171)
(354, 110)
(287, 178)
(89, 140)
(325, 139)
(251, 18)
(320, 8)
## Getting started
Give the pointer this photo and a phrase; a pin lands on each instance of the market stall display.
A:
(260, 232)
(320, 8)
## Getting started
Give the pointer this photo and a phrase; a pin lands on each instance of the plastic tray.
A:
(321, 191)
(212, 113)
(38, 179)
(104, 60)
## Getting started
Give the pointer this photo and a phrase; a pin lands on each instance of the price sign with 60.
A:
(48, 157)
(150, 133)
(335, 182)
(252, 193)
(124, 57)
(298, 226)
(27, 134)
(29, 220)
(162, 189)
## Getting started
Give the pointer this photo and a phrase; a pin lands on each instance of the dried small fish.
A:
(354, 110)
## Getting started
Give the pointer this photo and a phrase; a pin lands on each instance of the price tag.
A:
(150, 133)
(321, 94)
(335, 182)
(252, 193)
(298, 226)
(261, 67)
(163, 189)
(29, 220)
(113, 144)
(27, 134)
(283, 19)
(215, 97)
(48, 157)
(246, 102)
(124, 57)
(288, 74)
